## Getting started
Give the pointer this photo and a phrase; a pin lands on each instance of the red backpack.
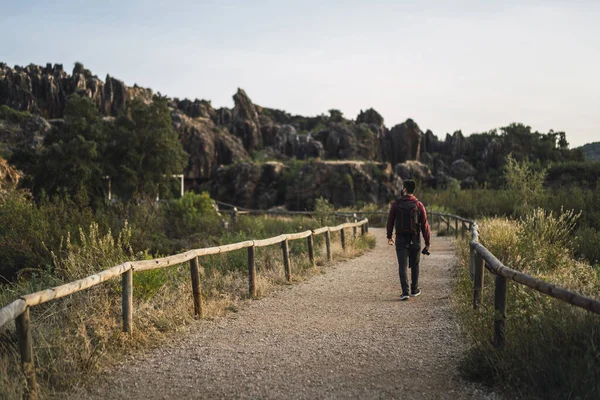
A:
(407, 218)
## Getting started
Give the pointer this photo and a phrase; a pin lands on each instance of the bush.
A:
(551, 350)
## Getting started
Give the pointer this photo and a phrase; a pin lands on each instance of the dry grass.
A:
(79, 336)
(551, 350)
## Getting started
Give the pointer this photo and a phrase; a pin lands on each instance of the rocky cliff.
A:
(249, 135)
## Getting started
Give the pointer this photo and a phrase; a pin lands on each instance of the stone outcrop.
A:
(44, 90)
(402, 143)
(245, 124)
(290, 143)
(370, 117)
(209, 146)
(413, 170)
(296, 187)
(461, 169)
(196, 108)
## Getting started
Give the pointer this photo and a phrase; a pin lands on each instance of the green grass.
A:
(551, 347)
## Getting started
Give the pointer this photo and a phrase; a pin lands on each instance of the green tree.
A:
(72, 160)
(144, 150)
(525, 182)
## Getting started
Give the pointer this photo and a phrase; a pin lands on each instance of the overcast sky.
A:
(449, 65)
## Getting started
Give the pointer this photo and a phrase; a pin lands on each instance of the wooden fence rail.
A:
(18, 310)
(481, 257)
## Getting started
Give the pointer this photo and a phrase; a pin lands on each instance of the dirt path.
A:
(343, 334)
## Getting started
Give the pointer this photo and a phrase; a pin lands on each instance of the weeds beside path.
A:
(343, 334)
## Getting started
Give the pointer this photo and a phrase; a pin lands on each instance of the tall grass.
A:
(80, 335)
(552, 348)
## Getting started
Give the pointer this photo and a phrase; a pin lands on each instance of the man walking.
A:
(409, 218)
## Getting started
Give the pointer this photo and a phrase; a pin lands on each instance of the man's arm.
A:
(425, 225)
(391, 220)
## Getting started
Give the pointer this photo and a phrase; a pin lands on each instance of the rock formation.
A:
(245, 124)
(402, 143)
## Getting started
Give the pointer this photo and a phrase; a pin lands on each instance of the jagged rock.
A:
(289, 143)
(208, 146)
(456, 145)
(402, 143)
(427, 159)
(25, 135)
(286, 140)
(268, 130)
(223, 117)
(461, 169)
(115, 96)
(413, 170)
(196, 108)
(338, 142)
(45, 90)
(431, 143)
(245, 123)
(371, 117)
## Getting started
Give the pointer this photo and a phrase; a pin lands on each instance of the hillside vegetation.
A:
(591, 151)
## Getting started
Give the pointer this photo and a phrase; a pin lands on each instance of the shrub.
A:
(550, 351)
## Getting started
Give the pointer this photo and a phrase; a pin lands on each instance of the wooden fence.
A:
(18, 310)
(481, 258)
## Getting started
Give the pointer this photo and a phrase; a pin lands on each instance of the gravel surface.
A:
(340, 335)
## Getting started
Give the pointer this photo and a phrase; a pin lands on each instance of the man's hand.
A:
(391, 241)
(426, 250)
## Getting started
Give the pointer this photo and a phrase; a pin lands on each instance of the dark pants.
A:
(408, 248)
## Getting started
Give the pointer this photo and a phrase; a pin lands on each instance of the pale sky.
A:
(473, 65)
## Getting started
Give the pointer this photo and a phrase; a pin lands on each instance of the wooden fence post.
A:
(456, 227)
(500, 311)
(27, 358)
(251, 272)
(448, 226)
(328, 245)
(439, 221)
(127, 300)
(286, 260)
(196, 289)
(463, 229)
(367, 226)
(354, 230)
(311, 249)
(343, 239)
(478, 265)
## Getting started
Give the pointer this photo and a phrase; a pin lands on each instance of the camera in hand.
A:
(426, 252)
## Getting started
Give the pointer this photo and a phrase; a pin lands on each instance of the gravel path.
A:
(343, 334)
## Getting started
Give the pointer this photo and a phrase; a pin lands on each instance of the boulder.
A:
(413, 170)
(245, 124)
(461, 169)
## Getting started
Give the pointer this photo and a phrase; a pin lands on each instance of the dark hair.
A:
(410, 186)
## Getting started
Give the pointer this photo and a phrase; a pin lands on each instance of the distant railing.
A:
(18, 310)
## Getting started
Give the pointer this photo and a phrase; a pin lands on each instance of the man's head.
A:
(409, 186)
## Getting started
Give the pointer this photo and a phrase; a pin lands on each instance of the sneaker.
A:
(416, 293)
(404, 297)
